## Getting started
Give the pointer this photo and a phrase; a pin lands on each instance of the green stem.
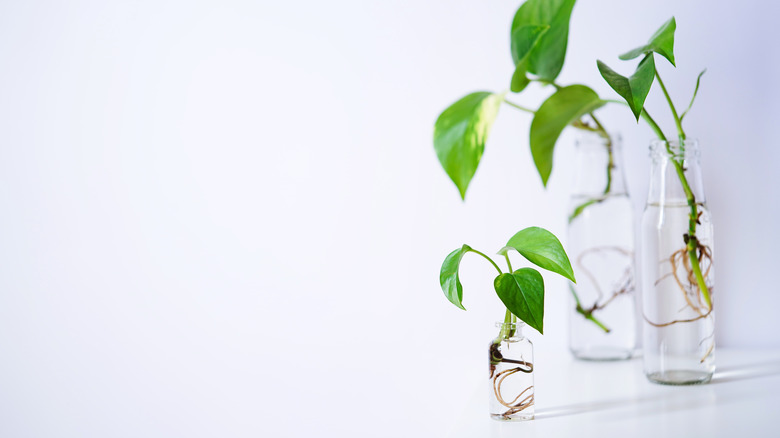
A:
(677, 120)
(506, 330)
(488, 259)
(547, 82)
(580, 208)
(692, 242)
(611, 157)
(654, 126)
(521, 108)
(610, 165)
(587, 314)
(597, 322)
(509, 317)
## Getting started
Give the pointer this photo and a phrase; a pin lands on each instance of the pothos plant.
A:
(634, 90)
(521, 291)
(538, 42)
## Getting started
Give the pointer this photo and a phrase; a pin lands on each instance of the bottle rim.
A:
(518, 324)
(688, 148)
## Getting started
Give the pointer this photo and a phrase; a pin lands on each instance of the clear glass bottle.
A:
(602, 315)
(677, 274)
(511, 374)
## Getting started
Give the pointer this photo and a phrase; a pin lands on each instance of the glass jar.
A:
(511, 374)
(676, 262)
(602, 316)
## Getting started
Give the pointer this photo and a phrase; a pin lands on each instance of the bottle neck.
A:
(510, 329)
(670, 161)
(599, 169)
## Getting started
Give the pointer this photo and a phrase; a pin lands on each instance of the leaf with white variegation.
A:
(460, 133)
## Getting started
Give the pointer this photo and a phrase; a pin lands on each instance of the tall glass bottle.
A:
(602, 316)
(511, 374)
(676, 262)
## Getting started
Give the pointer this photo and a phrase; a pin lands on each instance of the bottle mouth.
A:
(674, 148)
(510, 325)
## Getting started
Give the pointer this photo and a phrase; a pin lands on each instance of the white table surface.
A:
(589, 399)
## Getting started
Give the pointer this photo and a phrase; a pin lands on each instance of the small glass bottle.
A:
(511, 374)
(602, 315)
(676, 261)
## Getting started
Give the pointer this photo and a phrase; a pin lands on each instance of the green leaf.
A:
(546, 58)
(460, 133)
(695, 91)
(543, 249)
(662, 43)
(519, 78)
(559, 110)
(634, 89)
(449, 278)
(524, 39)
(522, 292)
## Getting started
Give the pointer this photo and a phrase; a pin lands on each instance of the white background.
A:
(227, 218)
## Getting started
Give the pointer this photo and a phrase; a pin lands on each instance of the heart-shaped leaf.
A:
(460, 133)
(543, 249)
(449, 278)
(662, 43)
(634, 89)
(522, 292)
(559, 110)
(524, 38)
(546, 58)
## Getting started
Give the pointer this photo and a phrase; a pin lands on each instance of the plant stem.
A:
(691, 243)
(506, 330)
(671, 106)
(546, 82)
(509, 317)
(654, 126)
(488, 259)
(597, 322)
(610, 165)
(521, 108)
(587, 314)
(611, 158)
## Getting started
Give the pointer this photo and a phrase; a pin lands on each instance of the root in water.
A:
(513, 406)
(624, 284)
(684, 277)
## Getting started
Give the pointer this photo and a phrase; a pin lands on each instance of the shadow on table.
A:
(581, 408)
(722, 375)
(747, 371)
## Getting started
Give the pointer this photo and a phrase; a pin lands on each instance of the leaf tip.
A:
(462, 191)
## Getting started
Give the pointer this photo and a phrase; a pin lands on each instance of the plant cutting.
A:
(538, 44)
(677, 232)
(522, 293)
